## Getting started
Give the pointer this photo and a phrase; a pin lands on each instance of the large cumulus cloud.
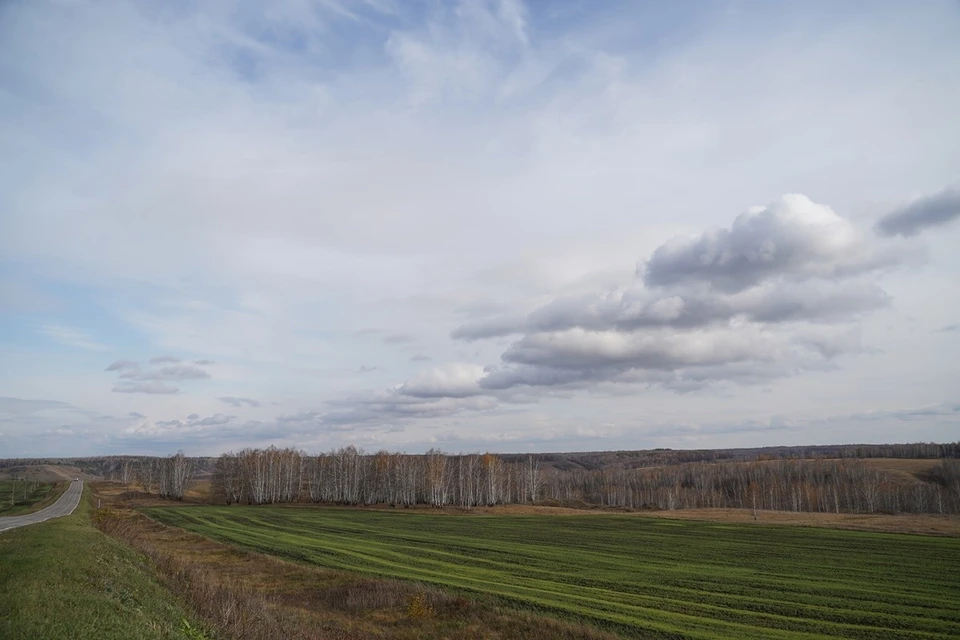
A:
(792, 238)
(791, 261)
(775, 293)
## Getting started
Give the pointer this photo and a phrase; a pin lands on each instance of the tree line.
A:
(349, 476)
(170, 476)
(817, 478)
(839, 486)
(115, 466)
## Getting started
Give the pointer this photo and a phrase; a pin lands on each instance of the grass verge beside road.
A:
(63, 579)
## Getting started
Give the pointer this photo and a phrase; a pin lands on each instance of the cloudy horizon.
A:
(477, 226)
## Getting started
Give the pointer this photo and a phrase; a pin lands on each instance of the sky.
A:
(477, 226)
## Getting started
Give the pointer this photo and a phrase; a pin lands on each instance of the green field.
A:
(638, 576)
(37, 497)
(63, 579)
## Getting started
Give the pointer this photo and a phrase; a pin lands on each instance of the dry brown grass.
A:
(199, 491)
(132, 495)
(928, 524)
(257, 597)
(907, 470)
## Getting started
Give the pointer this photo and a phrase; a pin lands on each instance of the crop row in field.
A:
(638, 576)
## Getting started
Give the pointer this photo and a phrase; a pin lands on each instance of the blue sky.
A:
(476, 226)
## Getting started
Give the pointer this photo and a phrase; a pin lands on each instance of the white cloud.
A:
(455, 56)
(154, 386)
(173, 372)
(793, 238)
(457, 380)
(745, 304)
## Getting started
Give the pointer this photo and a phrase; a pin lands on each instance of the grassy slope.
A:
(64, 579)
(45, 494)
(638, 576)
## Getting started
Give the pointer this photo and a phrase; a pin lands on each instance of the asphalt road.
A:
(64, 506)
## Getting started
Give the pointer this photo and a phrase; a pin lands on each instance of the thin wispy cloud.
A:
(153, 387)
(239, 402)
(71, 337)
(122, 365)
(155, 378)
